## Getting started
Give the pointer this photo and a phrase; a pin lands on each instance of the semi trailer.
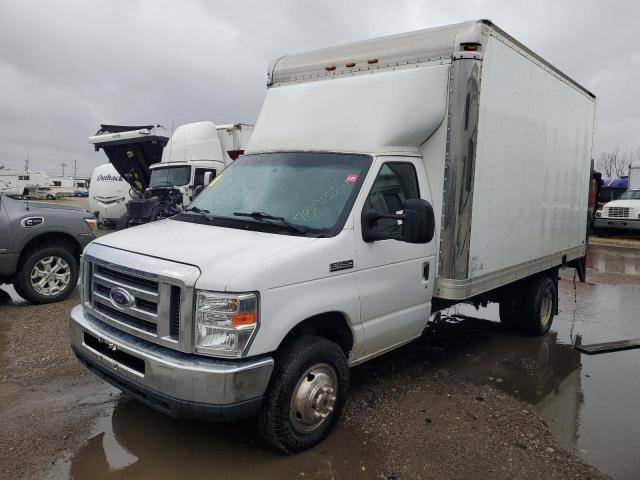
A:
(384, 180)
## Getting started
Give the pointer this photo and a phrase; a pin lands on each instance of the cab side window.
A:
(198, 177)
(395, 183)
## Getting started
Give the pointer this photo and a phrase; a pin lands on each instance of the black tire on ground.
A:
(50, 197)
(123, 222)
(23, 282)
(538, 306)
(309, 368)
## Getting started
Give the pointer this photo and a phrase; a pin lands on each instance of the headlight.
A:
(599, 213)
(225, 322)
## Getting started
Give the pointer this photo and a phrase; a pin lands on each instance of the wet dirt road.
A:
(459, 403)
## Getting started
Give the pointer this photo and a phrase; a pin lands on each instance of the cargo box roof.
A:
(438, 44)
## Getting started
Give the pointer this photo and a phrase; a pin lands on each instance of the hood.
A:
(225, 251)
(623, 204)
(131, 150)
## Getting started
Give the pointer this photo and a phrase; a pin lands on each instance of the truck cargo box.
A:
(506, 140)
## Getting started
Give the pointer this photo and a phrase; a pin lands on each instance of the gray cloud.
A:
(66, 67)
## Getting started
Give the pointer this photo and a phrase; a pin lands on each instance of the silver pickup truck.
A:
(40, 247)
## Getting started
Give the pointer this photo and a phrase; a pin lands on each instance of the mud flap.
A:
(580, 264)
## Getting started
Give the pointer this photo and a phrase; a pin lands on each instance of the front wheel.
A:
(306, 395)
(47, 275)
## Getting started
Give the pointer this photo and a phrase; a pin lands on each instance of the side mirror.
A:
(208, 176)
(418, 223)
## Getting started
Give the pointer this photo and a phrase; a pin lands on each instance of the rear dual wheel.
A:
(530, 309)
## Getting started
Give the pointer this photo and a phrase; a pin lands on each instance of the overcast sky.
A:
(68, 66)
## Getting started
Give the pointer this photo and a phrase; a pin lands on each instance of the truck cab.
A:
(620, 214)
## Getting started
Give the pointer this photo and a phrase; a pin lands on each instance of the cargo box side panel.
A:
(532, 169)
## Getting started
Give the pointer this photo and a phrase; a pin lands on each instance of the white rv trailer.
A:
(32, 184)
(384, 180)
(61, 186)
(108, 194)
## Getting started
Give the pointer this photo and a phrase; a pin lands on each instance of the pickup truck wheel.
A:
(306, 395)
(47, 275)
(538, 306)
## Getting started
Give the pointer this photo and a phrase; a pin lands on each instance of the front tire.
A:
(47, 275)
(306, 395)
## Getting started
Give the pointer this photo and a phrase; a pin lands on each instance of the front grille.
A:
(617, 212)
(174, 313)
(154, 310)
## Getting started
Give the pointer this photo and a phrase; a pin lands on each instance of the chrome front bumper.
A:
(176, 383)
(617, 223)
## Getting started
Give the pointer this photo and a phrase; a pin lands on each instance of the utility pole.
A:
(63, 165)
(75, 169)
(26, 162)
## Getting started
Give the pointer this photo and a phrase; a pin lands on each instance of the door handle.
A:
(425, 270)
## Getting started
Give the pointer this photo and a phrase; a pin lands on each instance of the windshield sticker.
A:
(351, 178)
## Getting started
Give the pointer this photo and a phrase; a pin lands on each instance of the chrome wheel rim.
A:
(314, 398)
(50, 276)
(546, 308)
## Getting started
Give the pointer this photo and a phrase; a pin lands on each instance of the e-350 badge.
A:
(342, 265)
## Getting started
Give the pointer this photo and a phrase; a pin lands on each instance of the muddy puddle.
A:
(590, 402)
(614, 260)
(133, 442)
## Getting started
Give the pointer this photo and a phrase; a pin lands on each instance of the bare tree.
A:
(613, 163)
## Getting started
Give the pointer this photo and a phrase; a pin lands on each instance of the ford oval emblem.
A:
(121, 298)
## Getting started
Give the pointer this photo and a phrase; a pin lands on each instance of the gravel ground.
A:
(428, 424)
(47, 401)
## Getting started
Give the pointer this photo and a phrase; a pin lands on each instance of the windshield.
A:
(311, 190)
(630, 195)
(170, 176)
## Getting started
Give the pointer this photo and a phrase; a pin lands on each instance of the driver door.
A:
(395, 278)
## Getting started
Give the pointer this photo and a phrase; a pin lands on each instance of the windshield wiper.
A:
(268, 216)
(204, 213)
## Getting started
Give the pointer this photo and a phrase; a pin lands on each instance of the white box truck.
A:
(168, 173)
(384, 180)
(622, 213)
